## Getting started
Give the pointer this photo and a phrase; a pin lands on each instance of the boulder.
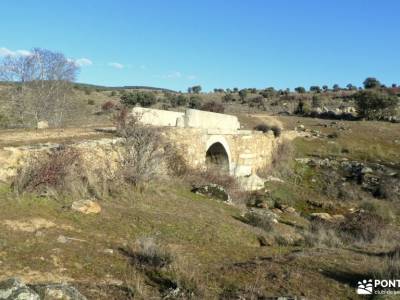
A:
(14, 289)
(212, 190)
(366, 170)
(252, 182)
(325, 217)
(86, 207)
(42, 125)
(59, 291)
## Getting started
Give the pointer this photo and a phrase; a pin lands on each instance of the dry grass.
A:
(282, 161)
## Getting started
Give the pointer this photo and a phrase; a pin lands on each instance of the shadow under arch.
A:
(217, 158)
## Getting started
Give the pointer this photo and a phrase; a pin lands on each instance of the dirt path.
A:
(20, 137)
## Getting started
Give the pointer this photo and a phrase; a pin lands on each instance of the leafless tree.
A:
(41, 84)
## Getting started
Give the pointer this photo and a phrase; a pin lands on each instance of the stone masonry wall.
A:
(247, 150)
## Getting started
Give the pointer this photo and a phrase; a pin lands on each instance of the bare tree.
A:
(42, 83)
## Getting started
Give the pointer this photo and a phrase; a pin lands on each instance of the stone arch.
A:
(218, 154)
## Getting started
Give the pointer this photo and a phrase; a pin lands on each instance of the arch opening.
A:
(217, 158)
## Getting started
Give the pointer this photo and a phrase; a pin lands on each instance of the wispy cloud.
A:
(177, 75)
(143, 67)
(171, 75)
(7, 52)
(116, 65)
(82, 62)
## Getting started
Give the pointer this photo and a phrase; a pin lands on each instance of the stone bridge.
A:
(208, 139)
(204, 139)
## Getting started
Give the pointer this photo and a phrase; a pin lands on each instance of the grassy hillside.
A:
(146, 243)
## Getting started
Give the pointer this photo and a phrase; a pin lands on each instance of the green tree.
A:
(195, 102)
(375, 105)
(300, 90)
(243, 95)
(144, 99)
(371, 83)
(336, 87)
(315, 88)
(195, 89)
(228, 98)
(316, 101)
(325, 88)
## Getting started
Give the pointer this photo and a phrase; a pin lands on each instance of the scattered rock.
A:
(86, 207)
(62, 239)
(274, 179)
(30, 225)
(338, 218)
(287, 235)
(59, 291)
(276, 210)
(252, 182)
(366, 170)
(14, 289)
(42, 125)
(325, 217)
(265, 241)
(290, 210)
(212, 190)
(108, 251)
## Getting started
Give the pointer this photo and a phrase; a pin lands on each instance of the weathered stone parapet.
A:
(191, 118)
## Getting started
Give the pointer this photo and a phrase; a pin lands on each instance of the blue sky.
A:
(214, 43)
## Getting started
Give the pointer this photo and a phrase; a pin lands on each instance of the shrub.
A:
(4, 121)
(107, 106)
(281, 161)
(228, 98)
(364, 226)
(90, 102)
(48, 172)
(265, 128)
(276, 130)
(151, 254)
(213, 107)
(316, 101)
(375, 105)
(146, 154)
(258, 102)
(63, 172)
(148, 254)
(144, 99)
(303, 108)
(195, 102)
(262, 127)
(378, 208)
(87, 90)
(261, 220)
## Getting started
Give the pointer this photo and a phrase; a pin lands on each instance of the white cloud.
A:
(143, 67)
(7, 52)
(23, 52)
(191, 77)
(116, 65)
(175, 74)
(81, 62)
